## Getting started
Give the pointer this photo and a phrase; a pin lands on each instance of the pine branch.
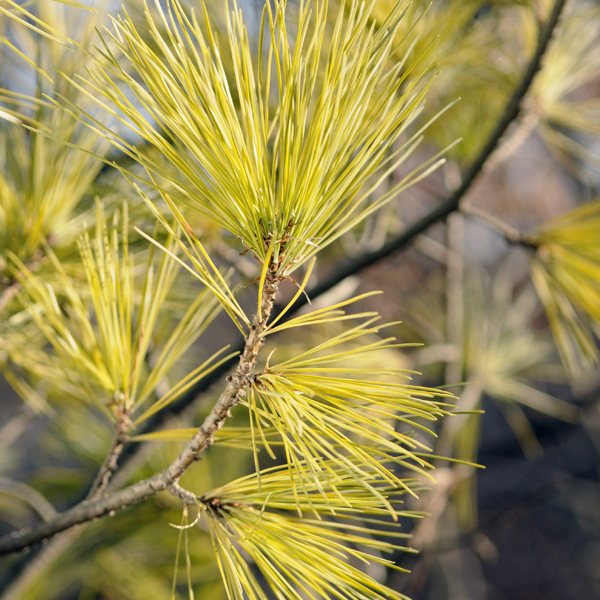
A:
(511, 143)
(110, 464)
(166, 480)
(450, 205)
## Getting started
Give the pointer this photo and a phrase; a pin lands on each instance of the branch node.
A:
(188, 497)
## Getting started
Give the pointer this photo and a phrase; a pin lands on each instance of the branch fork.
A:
(97, 505)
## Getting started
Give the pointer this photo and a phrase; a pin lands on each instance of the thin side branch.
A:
(110, 464)
(167, 479)
(512, 142)
(510, 234)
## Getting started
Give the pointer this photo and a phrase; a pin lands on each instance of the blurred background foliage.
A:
(518, 321)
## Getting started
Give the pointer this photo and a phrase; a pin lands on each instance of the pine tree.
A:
(172, 172)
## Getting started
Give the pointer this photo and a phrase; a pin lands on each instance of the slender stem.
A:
(511, 143)
(110, 464)
(128, 468)
(432, 248)
(168, 478)
(234, 390)
(455, 297)
(511, 234)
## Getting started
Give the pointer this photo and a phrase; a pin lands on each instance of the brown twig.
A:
(110, 464)
(512, 142)
(167, 479)
(510, 234)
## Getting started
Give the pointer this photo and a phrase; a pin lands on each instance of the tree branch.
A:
(510, 234)
(167, 479)
(511, 143)
(110, 464)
